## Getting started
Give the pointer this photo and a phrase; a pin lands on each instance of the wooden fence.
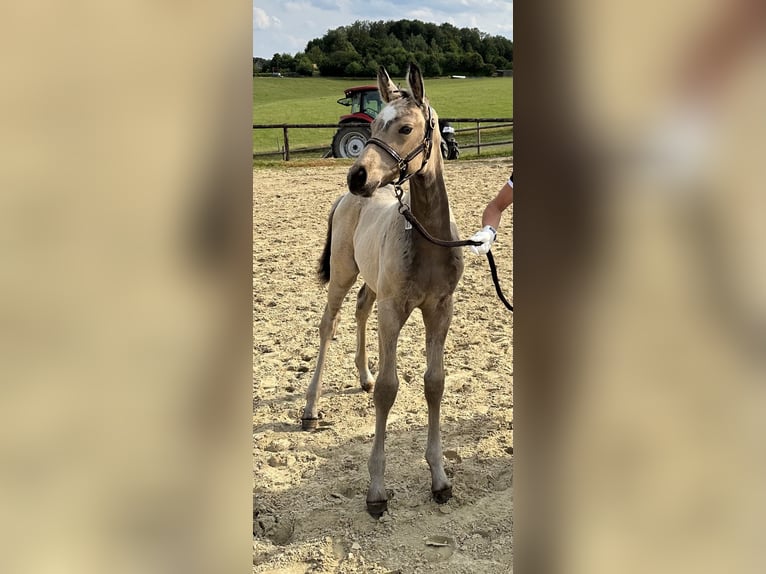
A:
(497, 123)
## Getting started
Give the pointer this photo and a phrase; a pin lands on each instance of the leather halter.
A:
(403, 163)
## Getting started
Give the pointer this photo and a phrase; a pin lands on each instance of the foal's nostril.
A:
(357, 177)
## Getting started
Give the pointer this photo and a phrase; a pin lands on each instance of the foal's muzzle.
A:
(359, 182)
(356, 179)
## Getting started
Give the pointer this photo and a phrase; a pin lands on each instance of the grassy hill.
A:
(314, 100)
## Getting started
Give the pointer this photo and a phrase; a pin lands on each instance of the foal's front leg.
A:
(437, 319)
(391, 318)
(335, 294)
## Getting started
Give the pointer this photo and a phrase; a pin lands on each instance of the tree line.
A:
(361, 48)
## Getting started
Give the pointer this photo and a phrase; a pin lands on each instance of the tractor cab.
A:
(364, 101)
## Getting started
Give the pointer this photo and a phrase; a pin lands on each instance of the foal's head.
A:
(404, 137)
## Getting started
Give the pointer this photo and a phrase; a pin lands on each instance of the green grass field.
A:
(314, 100)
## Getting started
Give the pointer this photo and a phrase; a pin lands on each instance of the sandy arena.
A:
(309, 488)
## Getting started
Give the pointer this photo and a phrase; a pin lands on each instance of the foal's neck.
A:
(429, 202)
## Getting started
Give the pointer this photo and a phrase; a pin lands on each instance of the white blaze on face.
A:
(388, 114)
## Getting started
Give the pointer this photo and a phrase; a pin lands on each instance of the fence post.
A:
(478, 138)
(287, 144)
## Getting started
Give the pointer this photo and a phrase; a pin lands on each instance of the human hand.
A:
(487, 236)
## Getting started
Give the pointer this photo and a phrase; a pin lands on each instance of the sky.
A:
(286, 27)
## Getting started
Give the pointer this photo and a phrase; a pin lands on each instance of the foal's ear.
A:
(388, 90)
(415, 81)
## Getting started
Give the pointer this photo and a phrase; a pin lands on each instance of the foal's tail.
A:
(323, 269)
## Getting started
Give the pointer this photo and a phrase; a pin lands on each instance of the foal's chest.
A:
(436, 270)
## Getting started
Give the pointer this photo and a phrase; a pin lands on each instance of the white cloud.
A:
(420, 14)
(262, 21)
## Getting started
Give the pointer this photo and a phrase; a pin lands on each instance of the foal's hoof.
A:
(309, 424)
(443, 495)
(368, 387)
(377, 508)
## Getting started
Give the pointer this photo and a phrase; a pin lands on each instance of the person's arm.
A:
(490, 219)
(494, 210)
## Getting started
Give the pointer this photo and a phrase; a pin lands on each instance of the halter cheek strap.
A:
(403, 163)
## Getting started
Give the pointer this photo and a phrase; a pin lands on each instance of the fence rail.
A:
(285, 127)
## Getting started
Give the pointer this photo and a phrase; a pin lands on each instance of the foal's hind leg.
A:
(437, 319)
(364, 302)
(335, 294)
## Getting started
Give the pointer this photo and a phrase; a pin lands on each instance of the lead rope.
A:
(405, 211)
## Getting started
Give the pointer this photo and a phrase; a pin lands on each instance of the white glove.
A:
(487, 237)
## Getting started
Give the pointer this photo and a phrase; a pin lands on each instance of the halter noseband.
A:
(402, 163)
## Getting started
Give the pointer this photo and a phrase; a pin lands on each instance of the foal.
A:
(367, 235)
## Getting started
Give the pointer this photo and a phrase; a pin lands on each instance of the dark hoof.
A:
(443, 495)
(369, 387)
(309, 424)
(376, 509)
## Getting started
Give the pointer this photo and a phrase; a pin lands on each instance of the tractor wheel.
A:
(349, 141)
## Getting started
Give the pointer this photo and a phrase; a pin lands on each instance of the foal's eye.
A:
(405, 129)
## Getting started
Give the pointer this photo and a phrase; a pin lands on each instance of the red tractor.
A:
(365, 105)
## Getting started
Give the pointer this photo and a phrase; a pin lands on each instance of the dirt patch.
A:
(309, 488)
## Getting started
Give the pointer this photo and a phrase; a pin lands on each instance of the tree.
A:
(315, 54)
(370, 68)
(275, 63)
(303, 65)
(431, 65)
(354, 68)
(453, 63)
(473, 63)
(258, 65)
(282, 63)
(336, 63)
(444, 49)
(288, 63)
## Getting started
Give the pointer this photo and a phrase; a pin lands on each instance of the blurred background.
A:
(126, 287)
(639, 286)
